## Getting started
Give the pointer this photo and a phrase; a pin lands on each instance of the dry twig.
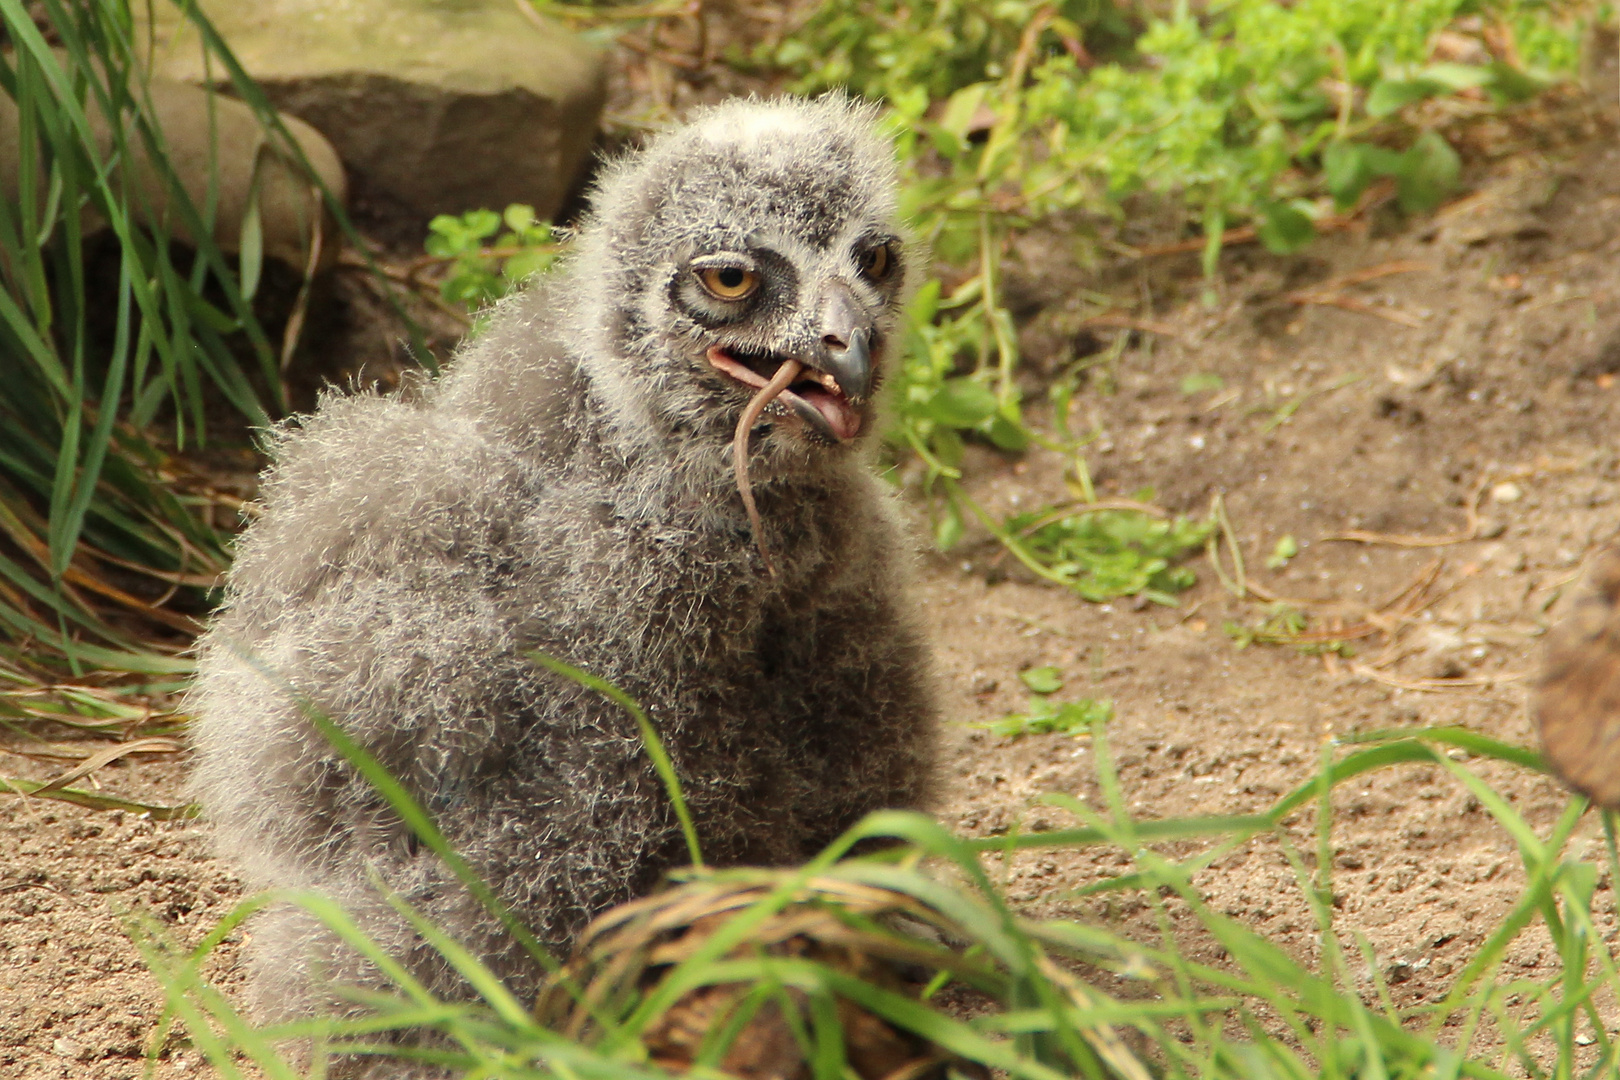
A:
(1470, 532)
(1126, 322)
(1328, 292)
(106, 757)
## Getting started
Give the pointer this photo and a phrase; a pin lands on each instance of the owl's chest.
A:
(673, 590)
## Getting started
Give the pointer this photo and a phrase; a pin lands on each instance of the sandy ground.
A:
(1476, 370)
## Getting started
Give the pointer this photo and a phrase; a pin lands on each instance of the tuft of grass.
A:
(103, 725)
(105, 549)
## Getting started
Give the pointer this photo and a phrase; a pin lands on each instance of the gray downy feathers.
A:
(567, 487)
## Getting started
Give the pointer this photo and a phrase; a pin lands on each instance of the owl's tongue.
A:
(834, 407)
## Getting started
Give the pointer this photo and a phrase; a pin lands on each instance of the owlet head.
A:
(761, 232)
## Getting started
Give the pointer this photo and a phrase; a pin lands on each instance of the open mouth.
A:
(814, 396)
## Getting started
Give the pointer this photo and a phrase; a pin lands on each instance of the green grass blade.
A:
(650, 739)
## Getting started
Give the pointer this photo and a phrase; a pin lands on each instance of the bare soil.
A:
(1462, 402)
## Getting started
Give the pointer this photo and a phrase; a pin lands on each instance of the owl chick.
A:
(567, 488)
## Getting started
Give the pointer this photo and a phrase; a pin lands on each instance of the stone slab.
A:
(444, 105)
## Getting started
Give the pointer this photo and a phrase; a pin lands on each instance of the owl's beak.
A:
(846, 339)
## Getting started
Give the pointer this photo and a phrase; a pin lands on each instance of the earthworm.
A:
(739, 450)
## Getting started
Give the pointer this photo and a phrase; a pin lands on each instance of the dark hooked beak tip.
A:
(850, 365)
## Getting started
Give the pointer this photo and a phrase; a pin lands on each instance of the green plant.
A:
(1042, 680)
(1283, 624)
(1285, 549)
(482, 266)
(888, 48)
(1047, 717)
(935, 407)
(1275, 114)
(1104, 554)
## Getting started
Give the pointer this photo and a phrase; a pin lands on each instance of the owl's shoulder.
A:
(519, 379)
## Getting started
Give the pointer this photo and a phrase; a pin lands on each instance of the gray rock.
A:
(216, 146)
(444, 105)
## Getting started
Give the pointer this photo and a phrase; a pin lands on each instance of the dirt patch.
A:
(1455, 382)
(77, 1001)
(1456, 379)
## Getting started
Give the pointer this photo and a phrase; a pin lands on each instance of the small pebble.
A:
(1507, 493)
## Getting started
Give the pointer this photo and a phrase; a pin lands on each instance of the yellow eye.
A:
(729, 282)
(876, 263)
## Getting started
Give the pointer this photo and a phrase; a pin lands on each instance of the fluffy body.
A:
(567, 487)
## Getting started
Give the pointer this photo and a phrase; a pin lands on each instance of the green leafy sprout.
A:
(1047, 717)
(1042, 680)
(483, 266)
(1285, 549)
(1105, 554)
(1044, 716)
